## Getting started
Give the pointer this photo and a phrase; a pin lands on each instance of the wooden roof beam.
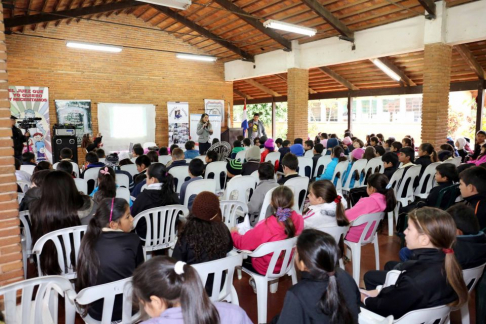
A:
(241, 94)
(70, 13)
(311, 91)
(338, 78)
(204, 32)
(337, 24)
(471, 61)
(255, 23)
(429, 6)
(262, 87)
(404, 78)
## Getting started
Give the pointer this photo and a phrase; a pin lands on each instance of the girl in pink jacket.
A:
(284, 223)
(380, 199)
(481, 157)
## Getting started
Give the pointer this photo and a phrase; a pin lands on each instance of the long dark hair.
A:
(283, 197)
(86, 141)
(106, 184)
(429, 149)
(326, 190)
(338, 152)
(369, 153)
(159, 172)
(56, 209)
(379, 181)
(157, 277)
(320, 255)
(202, 119)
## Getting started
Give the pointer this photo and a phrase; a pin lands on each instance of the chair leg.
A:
(273, 286)
(24, 262)
(238, 271)
(262, 298)
(341, 263)
(465, 313)
(377, 252)
(293, 275)
(234, 296)
(390, 223)
(356, 253)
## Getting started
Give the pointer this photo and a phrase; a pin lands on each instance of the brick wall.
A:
(437, 72)
(132, 76)
(298, 95)
(10, 250)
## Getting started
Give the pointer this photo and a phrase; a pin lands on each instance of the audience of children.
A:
(178, 158)
(266, 175)
(390, 162)
(190, 153)
(196, 170)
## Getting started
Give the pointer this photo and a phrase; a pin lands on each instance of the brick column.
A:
(10, 249)
(435, 102)
(297, 99)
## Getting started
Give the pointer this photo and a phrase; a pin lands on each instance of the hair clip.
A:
(448, 251)
(337, 200)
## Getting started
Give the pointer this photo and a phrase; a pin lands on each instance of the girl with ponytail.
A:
(108, 252)
(325, 294)
(433, 277)
(171, 292)
(380, 199)
(106, 186)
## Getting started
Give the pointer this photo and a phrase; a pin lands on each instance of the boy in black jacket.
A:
(473, 190)
(445, 175)
(390, 161)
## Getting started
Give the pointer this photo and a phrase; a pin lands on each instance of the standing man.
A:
(18, 138)
(480, 140)
(255, 127)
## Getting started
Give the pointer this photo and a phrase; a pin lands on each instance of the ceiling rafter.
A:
(262, 87)
(330, 18)
(338, 78)
(404, 78)
(200, 30)
(242, 95)
(429, 6)
(471, 61)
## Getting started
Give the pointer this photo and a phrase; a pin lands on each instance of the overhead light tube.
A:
(196, 57)
(289, 27)
(94, 47)
(177, 4)
(387, 70)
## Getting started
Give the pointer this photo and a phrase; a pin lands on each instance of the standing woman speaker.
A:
(204, 130)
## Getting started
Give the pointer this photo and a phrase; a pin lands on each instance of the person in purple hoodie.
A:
(172, 293)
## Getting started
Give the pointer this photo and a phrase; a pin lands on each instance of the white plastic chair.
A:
(371, 221)
(337, 232)
(216, 169)
(130, 168)
(255, 176)
(164, 159)
(437, 315)
(28, 168)
(218, 267)
(265, 204)
(305, 166)
(391, 277)
(231, 209)
(108, 292)
(427, 180)
(309, 154)
(456, 161)
(371, 166)
(122, 180)
(123, 193)
(393, 183)
(82, 185)
(92, 174)
(272, 157)
(24, 185)
(243, 186)
(280, 250)
(25, 239)
(202, 158)
(180, 174)
(161, 231)
(299, 186)
(44, 307)
(367, 317)
(196, 187)
(322, 162)
(62, 241)
(404, 192)
(340, 169)
(471, 278)
(240, 156)
(102, 160)
(20, 196)
(188, 161)
(359, 167)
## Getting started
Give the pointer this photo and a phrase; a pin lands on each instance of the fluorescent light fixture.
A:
(387, 70)
(196, 57)
(178, 4)
(289, 27)
(94, 47)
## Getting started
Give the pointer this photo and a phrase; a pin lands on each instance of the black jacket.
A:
(250, 167)
(478, 203)
(140, 177)
(177, 163)
(422, 284)
(301, 300)
(433, 196)
(284, 179)
(18, 141)
(390, 171)
(470, 250)
(463, 154)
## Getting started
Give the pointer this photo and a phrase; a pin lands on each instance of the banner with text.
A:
(27, 103)
(215, 121)
(214, 107)
(178, 113)
(77, 113)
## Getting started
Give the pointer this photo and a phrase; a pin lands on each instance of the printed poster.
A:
(214, 107)
(215, 121)
(77, 113)
(178, 115)
(27, 103)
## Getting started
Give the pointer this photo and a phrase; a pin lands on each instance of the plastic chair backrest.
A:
(280, 250)
(299, 186)
(411, 173)
(122, 180)
(202, 158)
(433, 315)
(161, 230)
(255, 176)
(336, 231)
(371, 221)
(28, 168)
(180, 174)
(196, 187)
(25, 220)
(454, 193)
(92, 174)
(395, 179)
(341, 167)
(427, 179)
(130, 168)
(218, 268)
(472, 276)
(214, 171)
(391, 277)
(243, 186)
(371, 167)
(108, 292)
(229, 209)
(124, 193)
(24, 185)
(367, 317)
(39, 300)
(456, 161)
(82, 185)
(75, 168)
(146, 145)
(240, 156)
(265, 204)
(62, 241)
(321, 165)
(309, 154)
(20, 196)
(164, 159)
(273, 157)
(188, 161)
(305, 166)
(357, 166)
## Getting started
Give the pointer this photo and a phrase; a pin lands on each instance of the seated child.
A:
(190, 153)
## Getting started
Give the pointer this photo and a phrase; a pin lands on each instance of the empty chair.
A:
(232, 209)
(321, 165)
(24, 185)
(180, 174)
(218, 268)
(164, 159)
(240, 188)
(25, 239)
(39, 301)
(122, 180)
(65, 240)
(471, 278)
(371, 221)
(216, 170)
(28, 168)
(196, 187)
(273, 157)
(339, 171)
(427, 181)
(82, 185)
(305, 166)
(124, 193)
(130, 168)
(299, 186)
(240, 156)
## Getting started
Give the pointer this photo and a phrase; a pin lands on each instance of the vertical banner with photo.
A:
(77, 113)
(215, 121)
(31, 106)
(178, 113)
(214, 107)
